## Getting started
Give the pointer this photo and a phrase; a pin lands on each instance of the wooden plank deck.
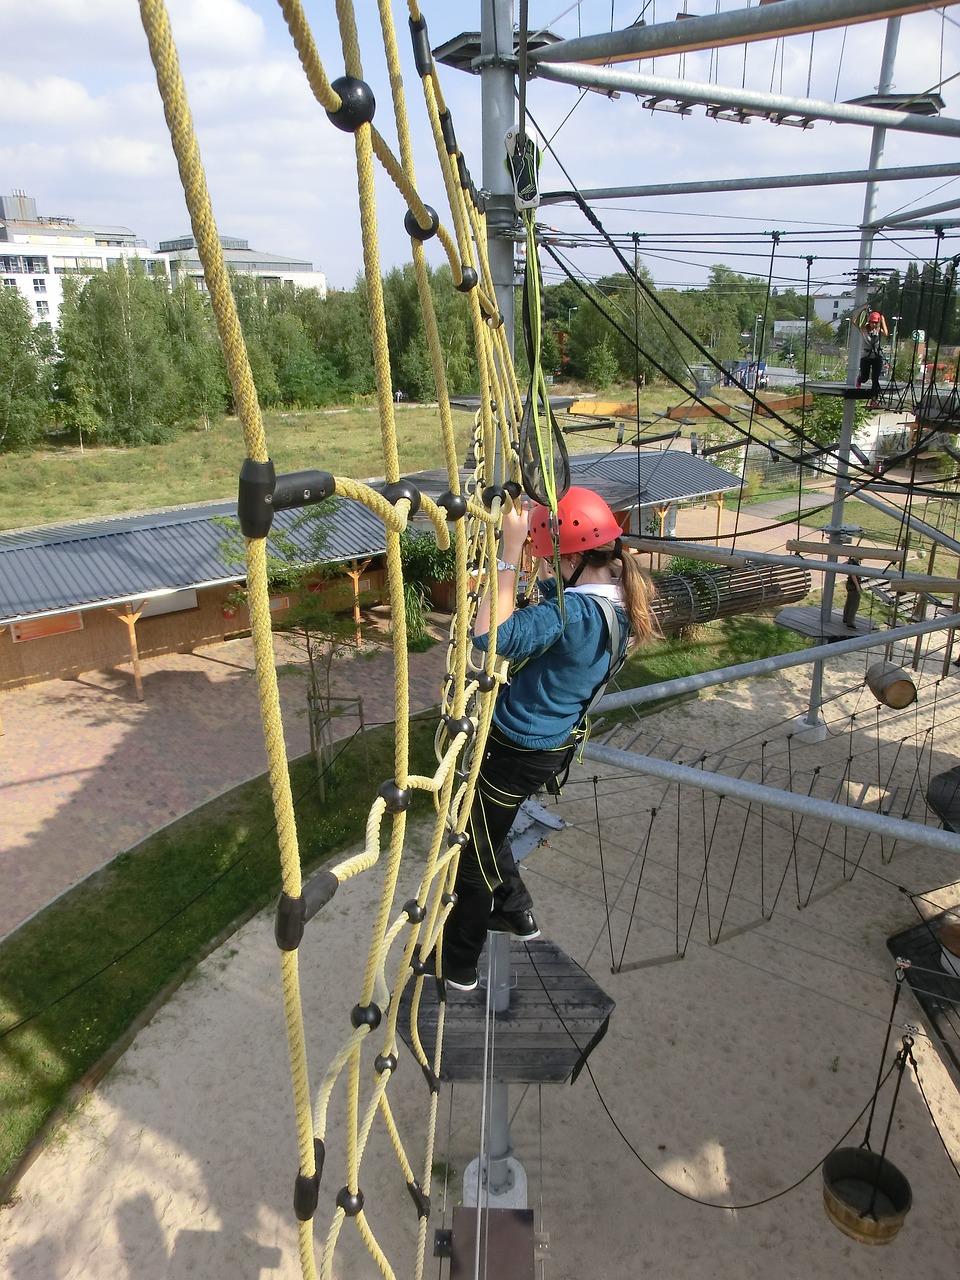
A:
(557, 1015)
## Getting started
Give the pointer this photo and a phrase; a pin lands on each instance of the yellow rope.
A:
(394, 938)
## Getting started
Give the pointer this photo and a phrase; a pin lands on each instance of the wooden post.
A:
(354, 572)
(718, 499)
(130, 617)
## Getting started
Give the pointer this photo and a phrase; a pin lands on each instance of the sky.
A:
(82, 131)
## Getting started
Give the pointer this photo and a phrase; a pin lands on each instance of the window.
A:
(10, 284)
(39, 285)
(37, 266)
(43, 307)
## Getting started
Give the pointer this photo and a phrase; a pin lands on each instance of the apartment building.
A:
(38, 252)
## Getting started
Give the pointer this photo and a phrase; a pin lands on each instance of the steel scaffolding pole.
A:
(767, 666)
(776, 104)
(738, 560)
(851, 177)
(912, 522)
(740, 26)
(756, 793)
(897, 219)
(812, 718)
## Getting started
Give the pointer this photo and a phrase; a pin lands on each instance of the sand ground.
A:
(730, 1072)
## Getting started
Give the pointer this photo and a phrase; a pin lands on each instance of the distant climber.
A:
(873, 326)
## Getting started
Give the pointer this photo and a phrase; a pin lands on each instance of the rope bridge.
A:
(404, 940)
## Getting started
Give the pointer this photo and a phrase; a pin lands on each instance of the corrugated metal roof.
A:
(669, 476)
(91, 563)
(96, 562)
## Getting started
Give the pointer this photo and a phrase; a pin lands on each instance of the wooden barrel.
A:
(950, 948)
(891, 685)
(865, 1196)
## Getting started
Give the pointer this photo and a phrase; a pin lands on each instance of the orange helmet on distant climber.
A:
(583, 521)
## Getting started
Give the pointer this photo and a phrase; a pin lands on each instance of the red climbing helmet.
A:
(583, 521)
(875, 317)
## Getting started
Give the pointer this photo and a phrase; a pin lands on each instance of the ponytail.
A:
(638, 590)
(638, 593)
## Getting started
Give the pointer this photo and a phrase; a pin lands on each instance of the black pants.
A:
(871, 367)
(487, 872)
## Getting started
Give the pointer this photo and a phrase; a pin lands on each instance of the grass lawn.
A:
(62, 483)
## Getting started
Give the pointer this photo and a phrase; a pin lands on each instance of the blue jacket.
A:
(556, 666)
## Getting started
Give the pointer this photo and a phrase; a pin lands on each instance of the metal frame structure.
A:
(552, 60)
(498, 65)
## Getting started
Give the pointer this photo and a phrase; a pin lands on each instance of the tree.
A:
(24, 405)
(116, 371)
(303, 377)
(602, 368)
(197, 355)
(824, 423)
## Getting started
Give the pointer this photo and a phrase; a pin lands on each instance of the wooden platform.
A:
(805, 620)
(506, 1244)
(841, 389)
(937, 991)
(557, 1016)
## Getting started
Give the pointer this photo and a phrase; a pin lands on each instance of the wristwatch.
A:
(504, 565)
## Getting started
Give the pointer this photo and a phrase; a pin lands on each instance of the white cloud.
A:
(47, 100)
(91, 140)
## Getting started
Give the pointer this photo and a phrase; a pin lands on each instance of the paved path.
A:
(86, 771)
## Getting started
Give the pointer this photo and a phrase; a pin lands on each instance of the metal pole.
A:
(813, 718)
(739, 560)
(767, 666)
(755, 793)
(497, 95)
(895, 219)
(774, 104)
(912, 522)
(904, 173)
(497, 83)
(739, 26)
(498, 112)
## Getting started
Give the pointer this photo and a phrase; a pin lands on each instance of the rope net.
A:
(404, 940)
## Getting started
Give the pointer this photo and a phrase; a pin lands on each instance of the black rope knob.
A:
(402, 489)
(455, 725)
(454, 504)
(397, 798)
(495, 322)
(385, 1062)
(415, 910)
(491, 492)
(486, 681)
(357, 104)
(449, 899)
(457, 837)
(366, 1015)
(351, 1202)
(413, 228)
(468, 279)
(513, 489)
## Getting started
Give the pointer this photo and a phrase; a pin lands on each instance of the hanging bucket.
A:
(950, 948)
(854, 1178)
(891, 685)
